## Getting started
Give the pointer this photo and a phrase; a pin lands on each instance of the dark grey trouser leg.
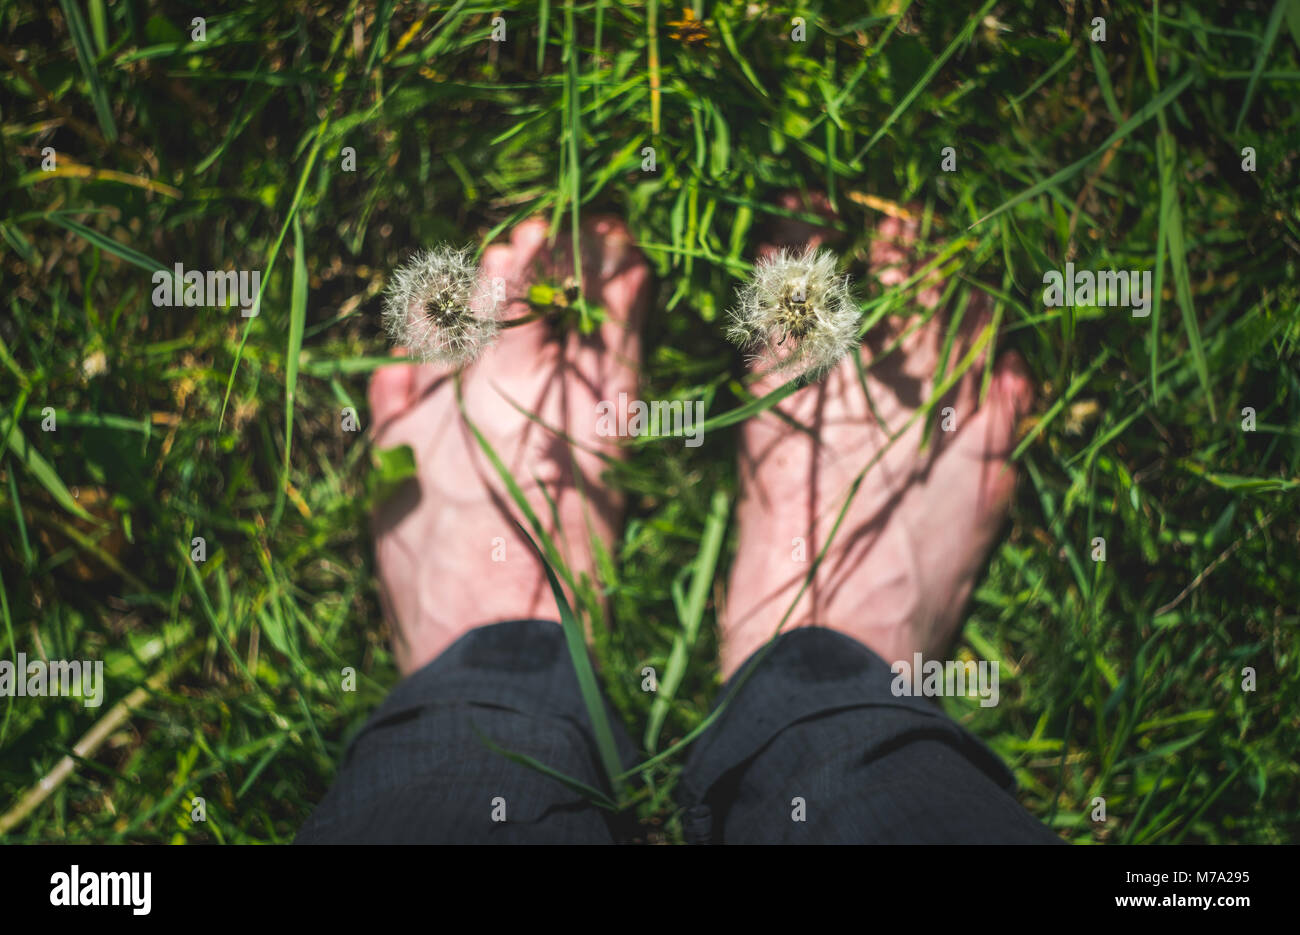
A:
(817, 733)
(419, 773)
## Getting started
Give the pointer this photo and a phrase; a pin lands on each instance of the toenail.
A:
(616, 250)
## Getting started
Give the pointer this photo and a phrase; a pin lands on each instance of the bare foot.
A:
(448, 553)
(902, 564)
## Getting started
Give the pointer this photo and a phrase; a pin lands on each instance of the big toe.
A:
(621, 270)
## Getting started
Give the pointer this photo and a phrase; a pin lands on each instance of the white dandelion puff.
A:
(438, 307)
(796, 312)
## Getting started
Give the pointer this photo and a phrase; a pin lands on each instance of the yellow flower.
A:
(689, 30)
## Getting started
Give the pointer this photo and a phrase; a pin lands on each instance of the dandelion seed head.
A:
(796, 312)
(438, 307)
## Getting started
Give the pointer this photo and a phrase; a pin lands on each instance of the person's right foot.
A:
(903, 562)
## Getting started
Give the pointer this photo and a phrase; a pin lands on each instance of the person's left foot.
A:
(449, 555)
(904, 560)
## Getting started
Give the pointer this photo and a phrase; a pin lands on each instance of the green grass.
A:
(1119, 679)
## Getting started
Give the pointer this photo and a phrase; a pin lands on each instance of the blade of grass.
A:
(29, 557)
(1103, 81)
(652, 45)
(960, 39)
(728, 41)
(573, 633)
(297, 316)
(270, 261)
(86, 59)
(523, 759)
(543, 21)
(1078, 383)
(516, 494)
(39, 468)
(1042, 79)
(380, 41)
(1162, 239)
(731, 417)
(1209, 800)
(574, 122)
(1149, 110)
(1261, 57)
(706, 560)
(78, 171)
(107, 243)
(211, 614)
(13, 649)
(1182, 288)
(576, 641)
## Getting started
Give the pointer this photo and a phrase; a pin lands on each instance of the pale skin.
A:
(898, 572)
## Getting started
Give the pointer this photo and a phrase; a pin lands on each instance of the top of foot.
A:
(448, 552)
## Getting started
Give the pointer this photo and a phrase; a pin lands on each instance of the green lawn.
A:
(321, 143)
